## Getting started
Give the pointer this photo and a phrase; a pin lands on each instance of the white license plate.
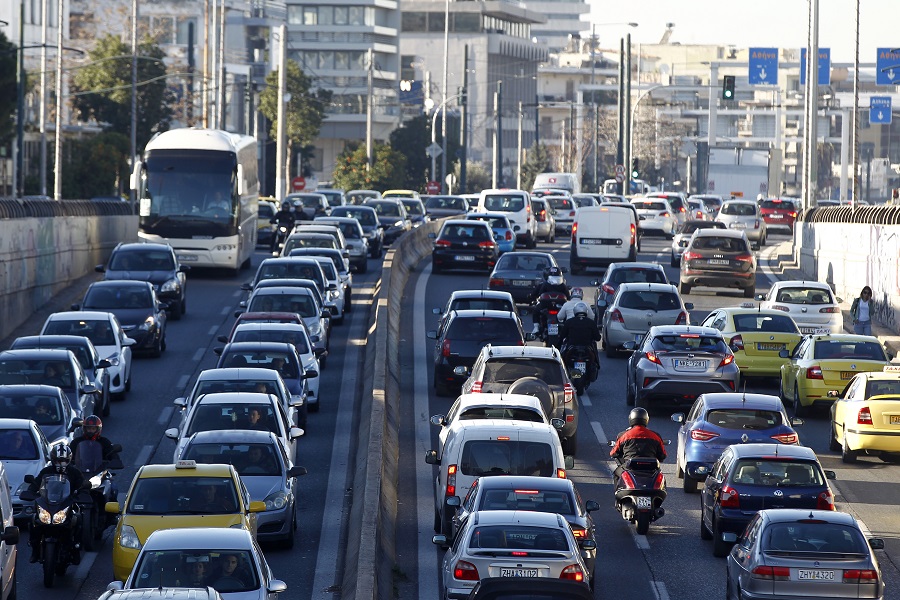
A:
(521, 283)
(188, 257)
(690, 365)
(553, 329)
(739, 226)
(644, 502)
(518, 572)
(769, 347)
(815, 575)
(719, 261)
(591, 242)
(582, 366)
(465, 257)
(776, 216)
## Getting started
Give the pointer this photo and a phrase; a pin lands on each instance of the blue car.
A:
(718, 420)
(503, 232)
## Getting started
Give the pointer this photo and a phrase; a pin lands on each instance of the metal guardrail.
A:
(13, 208)
(871, 215)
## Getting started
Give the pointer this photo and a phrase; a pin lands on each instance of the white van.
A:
(9, 537)
(602, 235)
(557, 181)
(516, 205)
(487, 447)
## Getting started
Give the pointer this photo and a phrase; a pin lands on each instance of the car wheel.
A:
(437, 522)
(611, 351)
(183, 307)
(570, 445)
(689, 484)
(721, 548)
(576, 269)
(847, 455)
(629, 394)
(679, 472)
(531, 243)
(313, 407)
(749, 292)
(289, 542)
(675, 262)
(127, 383)
(705, 533)
(683, 288)
(552, 237)
(347, 293)
(435, 268)
(833, 444)
(106, 400)
(799, 409)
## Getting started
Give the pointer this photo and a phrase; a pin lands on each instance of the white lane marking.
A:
(330, 536)
(225, 310)
(639, 540)
(585, 399)
(165, 415)
(182, 382)
(659, 590)
(599, 433)
(143, 456)
(427, 556)
(199, 354)
(213, 330)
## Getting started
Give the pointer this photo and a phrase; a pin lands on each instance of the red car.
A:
(778, 213)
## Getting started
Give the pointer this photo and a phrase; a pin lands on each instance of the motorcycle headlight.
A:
(276, 501)
(148, 324)
(129, 539)
(60, 517)
(170, 286)
(43, 516)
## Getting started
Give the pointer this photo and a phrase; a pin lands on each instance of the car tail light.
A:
(814, 372)
(688, 255)
(628, 480)
(726, 361)
(744, 257)
(572, 213)
(560, 473)
(681, 209)
(579, 532)
(830, 309)
(572, 573)
(608, 289)
(728, 497)
(476, 387)
(781, 308)
(465, 571)
(860, 576)
(825, 501)
(756, 225)
(616, 316)
(508, 235)
(682, 318)
(701, 435)
(442, 243)
(652, 357)
(664, 214)
(445, 348)
(774, 573)
(786, 438)
(699, 214)
(574, 229)
(496, 281)
(864, 417)
(632, 234)
(451, 481)
(793, 215)
(658, 482)
(736, 343)
(568, 393)
(486, 244)
(542, 216)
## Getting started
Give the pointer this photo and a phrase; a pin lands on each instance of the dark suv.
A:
(718, 258)
(464, 244)
(155, 263)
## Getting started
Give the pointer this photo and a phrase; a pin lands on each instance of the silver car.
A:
(545, 220)
(511, 543)
(26, 452)
(743, 215)
(636, 308)
(793, 553)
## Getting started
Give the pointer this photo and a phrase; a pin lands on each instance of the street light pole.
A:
(444, 95)
(42, 119)
(19, 170)
(57, 149)
(134, 51)
(438, 110)
(281, 126)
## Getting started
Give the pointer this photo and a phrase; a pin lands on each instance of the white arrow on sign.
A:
(880, 115)
(433, 151)
(762, 74)
(890, 75)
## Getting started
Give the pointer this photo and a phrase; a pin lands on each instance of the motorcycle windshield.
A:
(56, 489)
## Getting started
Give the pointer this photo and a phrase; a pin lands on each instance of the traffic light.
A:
(728, 88)
(635, 168)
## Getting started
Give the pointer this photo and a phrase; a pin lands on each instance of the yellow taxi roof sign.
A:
(891, 369)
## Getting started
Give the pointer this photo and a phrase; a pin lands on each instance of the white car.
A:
(657, 215)
(811, 304)
(107, 335)
(335, 296)
(743, 215)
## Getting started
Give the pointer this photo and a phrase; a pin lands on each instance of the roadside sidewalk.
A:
(779, 261)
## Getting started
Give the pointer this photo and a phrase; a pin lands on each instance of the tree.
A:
(388, 169)
(96, 166)
(103, 88)
(537, 161)
(477, 177)
(7, 87)
(411, 139)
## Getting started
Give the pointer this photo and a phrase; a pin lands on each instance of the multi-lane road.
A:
(670, 562)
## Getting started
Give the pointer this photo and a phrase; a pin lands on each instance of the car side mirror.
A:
(453, 502)
(461, 371)
(184, 268)
(29, 478)
(104, 363)
(76, 423)
(729, 537)
(181, 402)
(296, 432)
(276, 586)
(218, 351)
(589, 545)
(297, 400)
(172, 433)
(115, 586)
(530, 336)
(431, 335)
(784, 354)
(75, 307)
(678, 417)
(310, 374)
(557, 423)
(90, 388)
(629, 345)
(436, 311)
(432, 236)
(296, 471)
(564, 269)
(319, 352)
(438, 420)
(242, 304)
(439, 540)
(701, 471)
(100, 269)
(569, 462)
(601, 303)
(795, 422)
(111, 508)
(27, 495)
(238, 313)
(689, 306)
(591, 506)
(876, 543)
(222, 338)
(162, 306)
(246, 287)
(760, 297)
(829, 474)
(838, 299)
(128, 341)
(431, 457)
(326, 313)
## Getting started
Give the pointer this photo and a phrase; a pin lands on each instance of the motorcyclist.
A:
(89, 456)
(60, 464)
(553, 283)
(300, 211)
(283, 218)
(568, 309)
(637, 441)
(580, 331)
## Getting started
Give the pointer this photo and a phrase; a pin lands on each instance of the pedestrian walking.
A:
(861, 311)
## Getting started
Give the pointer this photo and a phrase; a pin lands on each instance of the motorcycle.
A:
(281, 235)
(57, 524)
(640, 491)
(98, 472)
(550, 305)
(582, 366)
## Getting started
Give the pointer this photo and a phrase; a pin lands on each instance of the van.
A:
(557, 181)
(516, 205)
(488, 447)
(9, 537)
(602, 235)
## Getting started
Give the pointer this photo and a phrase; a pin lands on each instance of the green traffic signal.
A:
(728, 87)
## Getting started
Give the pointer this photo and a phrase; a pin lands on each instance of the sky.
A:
(751, 23)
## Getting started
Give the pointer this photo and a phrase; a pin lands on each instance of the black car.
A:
(156, 264)
(519, 273)
(438, 207)
(748, 478)
(416, 211)
(54, 367)
(46, 405)
(393, 217)
(460, 339)
(135, 305)
(464, 244)
(368, 218)
(619, 273)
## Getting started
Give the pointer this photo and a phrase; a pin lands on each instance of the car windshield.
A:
(650, 205)
(99, 332)
(263, 359)
(502, 412)
(328, 267)
(141, 260)
(302, 304)
(447, 202)
(248, 459)
(109, 297)
(506, 457)
(742, 418)
(522, 262)
(508, 370)
(265, 210)
(845, 349)
(813, 537)
(518, 537)
(387, 209)
(288, 336)
(17, 444)
(719, 244)
(217, 416)
(226, 571)
(183, 496)
(767, 323)
(551, 501)
(43, 409)
(309, 241)
(365, 217)
(778, 472)
(738, 209)
(804, 295)
(689, 343)
(39, 371)
(414, 207)
(649, 300)
(637, 276)
(484, 329)
(504, 203)
(493, 222)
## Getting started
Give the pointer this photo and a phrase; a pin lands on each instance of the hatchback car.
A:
(354, 236)
(392, 216)
(717, 258)
(516, 205)
(156, 264)
(565, 209)
(279, 356)
(511, 543)
(309, 239)
(464, 244)
(500, 226)
(712, 202)
(294, 300)
(545, 220)
(265, 468)
(475, 300)
(743, 215)
(24, 451)
(415, 208)
(678, 202)
(676, 363)
(811, 304)
(357, 197)
(368, 220)
(619, 273)
(45, 405)
(824, 362)
(778, 212)
(718, 420)
(696, 209)
(335, 197)
(865, 417)
(656, 215)
(519, 273)
(751, 477)
(340, 263)
(136, 306)
(636, 308)
(53, 367)
(683, 237)
(804, 554)
(460, 339)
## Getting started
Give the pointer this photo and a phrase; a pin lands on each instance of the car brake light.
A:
(560, 473)
(519, 553)
(860, 576)
(496, 281)
(445, 348)
(451, 481)
(572, 573)
(699, 214)
(793, 215)
(701, 435)
(781, 308)
(681, 209)
(736, 343)
(442, 243)
(508, 235)
(786, 438)
(774, 573)
(664, 214)
(580, 533)
(744, 258)
(726, 361)
(756, 225)
(574, 229)
(830, 309)
(476, 387)
(553, 312)
(652, 357)
(616, 316)
(465, 571)
(814, 372)
(864, 417)
(632, 234)
(728, 498)
(688, 255)
(608, 289)
(486, 244)
(825, 501)
(682, 318)
(568, 393)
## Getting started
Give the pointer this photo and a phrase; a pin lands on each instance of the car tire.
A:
(570, 445)
(749, 292)
(689, 484)
(683, 288)
(675, 262)
(576, 268)
(611, 351)
(705, 533)
(127, 384)
(312, 407)
(288, 543)
(848, 456)
(799, 409)
(679, 472)
(347, 306)
(106, 400)
(435, 268)
(833, 444)
(552, 237)
(629, 394)
(157, 349)
(721, 548)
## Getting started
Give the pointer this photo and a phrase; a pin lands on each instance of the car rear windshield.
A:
(493, 222)
(506, 457)
(739, 210)
(648, 300)
(551, 501)
(650, 205)
(504, 203)
(692, 226)
(689, 343)
(508, 370)
(216, 416)
(482, 304)
(777, 472)
(637, 276)
(804, 295)
(777, 204)
(885, 387)
(516, 261)
(502, 412)
(560, 203)
(475, 231)
(719, 244)
(825, 540)
(843, 349)
(302, 304)
(517, 537)
(768, 323)
(483, 329)
(744, 418)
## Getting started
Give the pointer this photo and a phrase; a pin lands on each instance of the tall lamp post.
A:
(442, 107)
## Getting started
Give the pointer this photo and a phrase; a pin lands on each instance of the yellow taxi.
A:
(865, 418)
(756, 336)
(400, 194)
(823, 362)
(181, 495)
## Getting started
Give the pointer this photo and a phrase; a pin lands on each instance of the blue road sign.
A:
(880, 109)
(763, 66)
(887, 67)
(824, 66)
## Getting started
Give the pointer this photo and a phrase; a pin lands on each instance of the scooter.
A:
(640, 492)
(281, 234)
(103, 489)
(582, 367)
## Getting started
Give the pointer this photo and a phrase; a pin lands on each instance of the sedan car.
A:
(415, 208)
(500, 226)
(511, 543)
(24, 451)
(619, 273)
(392, 216)
(464, 244)
(749, 477)
(718, 420)
(865, 417)
(514, 588)
(265, 468)
(676, 363)
(308, 239)
(545, 220)
(368, 220)
(438, 207)
(340, 263)
(312, 204)
(156, 264)
(636, 308)
(718, 258)
(295, 300)
(804, 554)
(656, 216)
(57, 368)
(519, 273)
(475, 299)
(811, 304)
(45, 405)
(743, 215)
(824, 362)
(336, 299)
(136, 306)
(683, 237)
(357, 197)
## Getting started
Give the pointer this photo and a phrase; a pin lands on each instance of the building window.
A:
(342, 61)
(341, 15)
(413, 21)
(182, 25)
(310, 15)
(295, 15)
(326, 15)
(326, 59)
(357, 15)
(435, 21)
(407, 70)
(467, 23)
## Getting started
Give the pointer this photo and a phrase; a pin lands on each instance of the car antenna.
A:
(744, 394)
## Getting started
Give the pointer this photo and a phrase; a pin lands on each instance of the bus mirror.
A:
(240, 180)
(136, 175)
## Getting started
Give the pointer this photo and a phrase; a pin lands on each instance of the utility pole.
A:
(812, 77)
(498, 166)
(620, 133)
(281, 126)
(19, 170)
(43, 99)
(192, 66)
(495, 179)
(204, 81)
(594, 139)
(214, 68)
(370, 53)
(627, 115)
(134, 50)
(464, 137)
(855, 192)
(519, 150)
(57, 151)
(444, 189)
(220, 111)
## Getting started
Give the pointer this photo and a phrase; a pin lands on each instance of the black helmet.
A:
(638, 416)
(60, 456)
(554, 276)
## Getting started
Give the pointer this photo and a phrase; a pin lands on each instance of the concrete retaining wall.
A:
(41, 256)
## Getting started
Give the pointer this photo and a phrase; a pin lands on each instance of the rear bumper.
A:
(874, 440)
(718, 279)
(683, 390)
